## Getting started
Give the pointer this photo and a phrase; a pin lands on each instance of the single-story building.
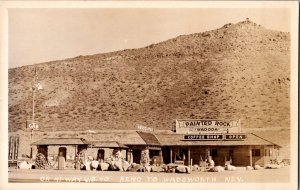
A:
(51, 147)
(243, 149)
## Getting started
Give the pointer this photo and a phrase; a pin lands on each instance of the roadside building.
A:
(68, 147)
(242, 149)
(192, 142)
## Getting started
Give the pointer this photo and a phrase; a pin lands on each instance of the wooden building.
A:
(241, 149)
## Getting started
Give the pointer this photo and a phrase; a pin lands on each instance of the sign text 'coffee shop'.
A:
(207, 137)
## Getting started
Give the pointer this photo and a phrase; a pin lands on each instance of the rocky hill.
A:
(239, 71)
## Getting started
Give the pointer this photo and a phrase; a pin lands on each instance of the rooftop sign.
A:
(144, 128)
(187, 126)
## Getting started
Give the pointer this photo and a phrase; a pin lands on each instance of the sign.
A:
(208, 137)
(16, 147)
(187, 126)
(32, 125)
(143, 128)
(13, 147)
(203, 137)
(235, 137)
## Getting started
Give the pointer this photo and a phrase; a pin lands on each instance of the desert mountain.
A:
(239, 71)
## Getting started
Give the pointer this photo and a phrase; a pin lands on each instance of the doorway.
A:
(136, 153)
(62, 151)
(166, 151)
(43, 149)
(100, 155)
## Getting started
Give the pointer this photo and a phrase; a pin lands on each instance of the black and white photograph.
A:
(185, 94)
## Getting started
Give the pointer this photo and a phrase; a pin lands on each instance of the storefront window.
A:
(255, 152)
(214, 153)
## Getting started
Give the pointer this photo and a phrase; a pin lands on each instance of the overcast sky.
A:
(40, 35)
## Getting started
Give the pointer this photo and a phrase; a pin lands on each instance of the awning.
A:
(149, 138)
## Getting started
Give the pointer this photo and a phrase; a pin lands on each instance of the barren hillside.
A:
(239, 71)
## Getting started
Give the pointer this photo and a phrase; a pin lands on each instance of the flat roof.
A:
(106, 144)
(129, 137)
(60, 141)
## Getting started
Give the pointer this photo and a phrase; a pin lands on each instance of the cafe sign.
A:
(203, 137)
(210, 137)
(198, 126)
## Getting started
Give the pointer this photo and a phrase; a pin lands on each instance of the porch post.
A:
(189, 156)
(171, 155)
(207, 152)
(250, 155)
(161, 157)
(264, 154)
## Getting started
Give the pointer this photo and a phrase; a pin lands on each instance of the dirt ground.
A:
(241, 175)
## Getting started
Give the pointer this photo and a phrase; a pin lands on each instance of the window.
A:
(214, 152)
(153, 153)
(267, 152)
(255, 152)
(181, 154)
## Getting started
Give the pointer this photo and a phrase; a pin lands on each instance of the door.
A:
(43, 149)
(62, 151)
(100, 155)
(166, 153)
(136, 153)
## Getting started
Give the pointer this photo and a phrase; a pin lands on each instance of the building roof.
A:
(60, 141)
(178, 140)
(119, 139)
(129, 137)
(149, 138)
(106, 144)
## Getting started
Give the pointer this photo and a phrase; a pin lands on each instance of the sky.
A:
(41, 35)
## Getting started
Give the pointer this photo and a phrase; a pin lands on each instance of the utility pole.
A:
(36, 86)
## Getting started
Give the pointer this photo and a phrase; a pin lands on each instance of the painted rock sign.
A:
(186, 126)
